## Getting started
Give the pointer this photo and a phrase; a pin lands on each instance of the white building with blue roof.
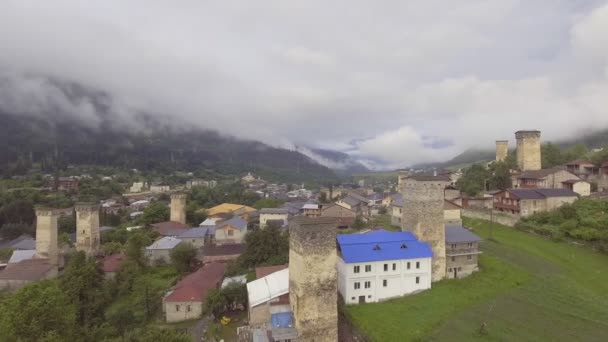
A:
(381, 265)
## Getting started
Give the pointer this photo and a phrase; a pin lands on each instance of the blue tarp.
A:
(282, 320)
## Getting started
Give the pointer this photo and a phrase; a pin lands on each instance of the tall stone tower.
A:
(87, 228)
(46, 235)
(528, 150)
(423, 201)
(313, 282)
(178, 208)
(502, 150)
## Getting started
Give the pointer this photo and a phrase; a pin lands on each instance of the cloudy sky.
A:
(396, 82)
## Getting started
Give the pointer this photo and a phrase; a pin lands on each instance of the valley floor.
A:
(529, 289)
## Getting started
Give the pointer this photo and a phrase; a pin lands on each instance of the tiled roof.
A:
(237, 222)
(168, 242)
(194, 287)
(169, 228)
(382, 245)
(111, 263)
(262, 271)
(458, 233)
(30, 269)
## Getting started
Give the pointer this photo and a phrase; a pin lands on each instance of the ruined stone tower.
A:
(502, 150)
(313, 282)
(528, 150)
(87, 228)
(46, 235)
(423, 201)
(178, 208)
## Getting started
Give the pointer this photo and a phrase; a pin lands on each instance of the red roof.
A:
(261, 272)
(111, 263)
(29, 270)
(169, 228)
(195, 286)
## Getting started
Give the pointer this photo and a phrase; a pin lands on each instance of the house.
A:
(584, 169)
(169, 228)
(273, 215)
(451, 212)
(159, 188)
(26, 271)
(198, 236)
(137, 187)
(481, 202)
(311, 210)
(462, 251)
(451, 192)
(293, 208)
(210, 222)
(185, 301)
(335, 210)
(579, 186)
(268, 295)
(229, 208)
(160, 250)
(231, 231)
(248, 178)
(111, 264)
(222, 253)
(381, 265)
(375, 199)
(388, 200)
(526, 202)
(396, 210)
(552, 178)
(354, 204)
(67, 184)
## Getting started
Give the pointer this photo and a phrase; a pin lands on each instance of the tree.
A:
(154, 213)
(267, 203)
(474, 180)
(215, 303)
(41, 311)
(359, 223)
(10, 231)
(194, 216)
(551, 156)
(126, 275)
(67, 224)
(83, 283)
(235, 294)
(183, 257)
(135, 247)
(266, 246)
(501, 176)
(17, 211)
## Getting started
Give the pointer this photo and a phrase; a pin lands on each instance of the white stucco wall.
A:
(222, 235)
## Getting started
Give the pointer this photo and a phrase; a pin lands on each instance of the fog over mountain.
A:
(391, 83)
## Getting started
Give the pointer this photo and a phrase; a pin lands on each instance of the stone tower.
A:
(313, 282)
(46, 235)
(87, 228)
(423, 201)
(502, 150)
(178, 208)
(528, 150)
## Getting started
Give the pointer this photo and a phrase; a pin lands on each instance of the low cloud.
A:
(392, 83)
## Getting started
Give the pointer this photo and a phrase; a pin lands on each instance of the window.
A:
(453, 258)
(368, 284)
(356, 269)
(470, 245)
(417, 280)
(417, 264)
(453, 246)
(449, 270)
(377, 247)
(230, 232)
(357, 286)
(177, 308)
(369, 296)
(469, 257)
(459, 268)
(408, 265)
(368, 268)
(353, 298)
(188, 308)
(385, 283)
(394, 266)
(385, 267)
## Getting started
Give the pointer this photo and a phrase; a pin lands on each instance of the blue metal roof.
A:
(281, 320)
(382, 245)
(197, 232)
(380, 235)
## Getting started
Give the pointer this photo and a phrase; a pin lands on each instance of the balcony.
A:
(461, 251)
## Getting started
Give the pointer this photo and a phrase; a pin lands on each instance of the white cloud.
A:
(382, 74)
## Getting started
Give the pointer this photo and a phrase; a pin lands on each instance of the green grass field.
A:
(529, 289)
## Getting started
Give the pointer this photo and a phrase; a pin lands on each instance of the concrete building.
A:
(273, 215)
(311, 210)
(526, 202)
(584, 169)
(528, 150)
(313, 286)
(137, 187)
(186, 300)
(160, 250)
(46, 235)
(268, 295)
(423, 206)
(579, 186)
(231, 232)
(178, 208)
(381, 265)
(502, 150)
(88, 237)
(462, 251)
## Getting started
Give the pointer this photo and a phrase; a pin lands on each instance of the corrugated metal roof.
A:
(168, 242)
(458, 233)
(382, 245)
(379, 235)
(281, 320)
(19, 255)
(557, 192)
(271, 286)
(197, 232)
(278, 211)
(237, 222)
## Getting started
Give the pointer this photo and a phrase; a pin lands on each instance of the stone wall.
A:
(178, 208)
(528, 150)
(502, 150)
(87, 228)
(423, 215)
(501, 218)
(46, 235)
(313, 286)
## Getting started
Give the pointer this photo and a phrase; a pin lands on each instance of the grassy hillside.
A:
(529, 289)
